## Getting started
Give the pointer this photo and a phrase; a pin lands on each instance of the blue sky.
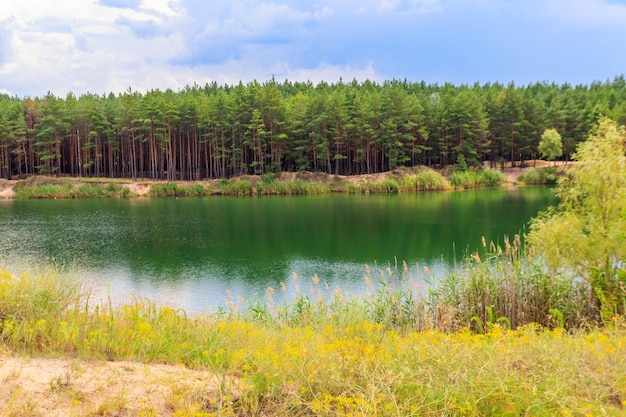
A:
(103, 46)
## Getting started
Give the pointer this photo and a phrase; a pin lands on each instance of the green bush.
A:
(547, 176)
(424, 180)
(171, 189)
(45, 187)
(234, 187)
(474, 179)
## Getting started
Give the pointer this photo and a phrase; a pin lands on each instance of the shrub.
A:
(538, 176)
(473, 179)
(171, 189)
(424, 180)
(234, 187)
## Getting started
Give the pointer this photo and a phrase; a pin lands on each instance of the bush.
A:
(543, 176)
(235, 187)
(474, 179)
(424, 180)
(584, 235)
(295, 187)
(45, 187)
(171, 189)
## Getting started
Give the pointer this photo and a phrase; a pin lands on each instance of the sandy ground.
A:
(64, 387)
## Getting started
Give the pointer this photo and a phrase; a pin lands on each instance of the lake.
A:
(194, 253)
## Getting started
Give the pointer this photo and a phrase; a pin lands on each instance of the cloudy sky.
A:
(103, 46)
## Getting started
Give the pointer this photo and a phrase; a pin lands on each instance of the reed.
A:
(424, 180)
(317, 351)
(466, 179)
(46, 187)
(385, 186)
(540, 176)
(172, 189)
(507, 284)
(241, 187)
(269, 185)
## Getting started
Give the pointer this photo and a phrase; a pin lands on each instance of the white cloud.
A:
(163, 7)
(110, 45)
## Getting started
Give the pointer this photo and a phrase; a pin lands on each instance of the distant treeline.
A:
(344, 128)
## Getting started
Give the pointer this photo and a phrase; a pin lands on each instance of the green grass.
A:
(538, 176)
(240, 187)
(172, 189)
(423, 180)
(269, 185)
(49, 188)
(477, 179)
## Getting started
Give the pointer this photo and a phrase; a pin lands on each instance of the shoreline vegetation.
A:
(401, 180)
(535, 327)
(497, 336)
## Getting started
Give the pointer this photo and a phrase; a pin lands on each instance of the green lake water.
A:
(192, 252)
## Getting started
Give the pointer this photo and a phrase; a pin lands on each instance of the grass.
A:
(547, 176)
(172, 189)
(477, 179)
(399, 181)
(270, 185)
(37, 187)
(423, 180)
(498, 337)
(238, 187)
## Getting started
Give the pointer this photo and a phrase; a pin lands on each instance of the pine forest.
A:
(214, 131)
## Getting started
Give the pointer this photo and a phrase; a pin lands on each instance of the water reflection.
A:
(190, 252)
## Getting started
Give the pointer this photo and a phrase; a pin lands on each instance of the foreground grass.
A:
(386, 353)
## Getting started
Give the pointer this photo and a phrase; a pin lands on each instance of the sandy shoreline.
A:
(142, 188)
(63, 387)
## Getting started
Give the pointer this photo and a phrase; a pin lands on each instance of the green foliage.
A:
(584, 234)
(215, 132)
(476, 179)
(461, 163)
(545, 176)
(45, 187)
(551, 145)
(171, 189)
(424, 180)
(490, 178)
(506, 285)
(290, 187)
(33, 295)
(240, 187)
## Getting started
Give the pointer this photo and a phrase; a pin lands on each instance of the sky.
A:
(104, 46)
